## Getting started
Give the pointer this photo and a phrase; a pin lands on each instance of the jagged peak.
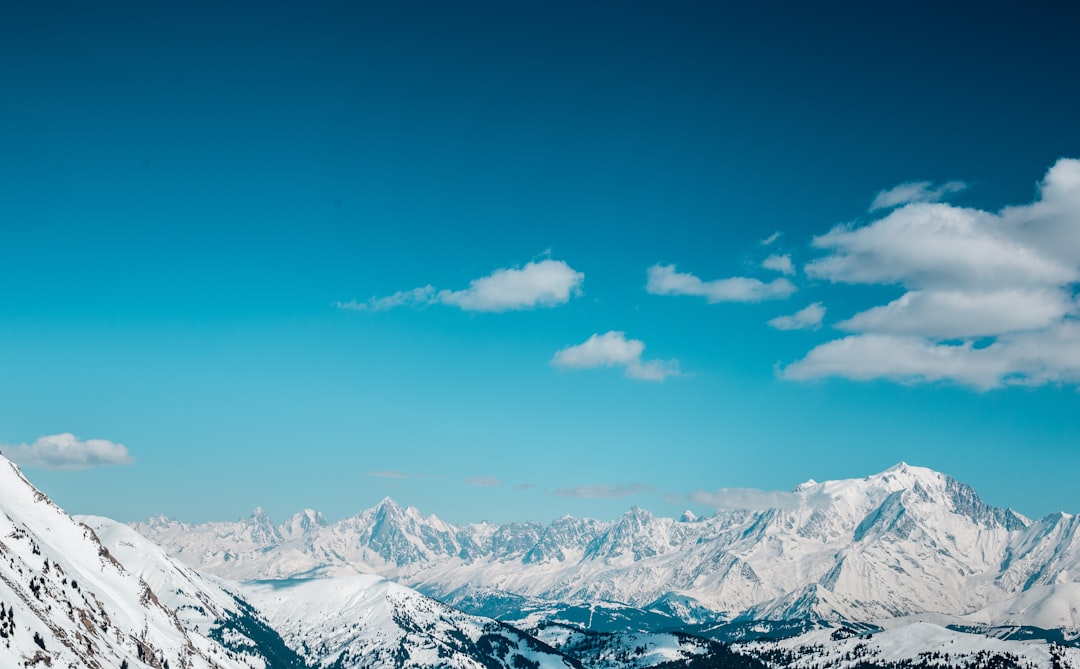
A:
(388, 503)
(307, 518)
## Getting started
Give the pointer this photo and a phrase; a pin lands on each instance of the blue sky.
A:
(508, 260)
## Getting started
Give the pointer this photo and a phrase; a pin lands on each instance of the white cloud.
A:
(483, 482)
(952, 314)
(759, 500)
(935, 246)
(915, 191)
(779, 263)
(524, 486)
(807, 318)
(989, 298)
(613, 349)
(771, 238)
(603, 491)
(546, 283)
(664, 280)
(66, 452)
(1028, 359)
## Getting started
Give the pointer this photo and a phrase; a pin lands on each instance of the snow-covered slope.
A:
(365, 621)
(203, 605)
(905, 541)
(918, 644)
(67, 602)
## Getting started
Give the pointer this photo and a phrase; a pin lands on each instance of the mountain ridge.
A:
(905, 541)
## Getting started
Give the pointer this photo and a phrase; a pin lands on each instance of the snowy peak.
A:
(302, 524)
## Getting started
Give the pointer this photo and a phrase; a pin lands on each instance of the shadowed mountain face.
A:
(905, 541)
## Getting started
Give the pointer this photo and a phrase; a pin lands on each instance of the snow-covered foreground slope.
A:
(918, 643)
(906, 541)
(202, 604)
(366, 621)
(67, 602)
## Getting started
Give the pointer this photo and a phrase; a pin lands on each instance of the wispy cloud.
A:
(779, 263)
(603, 491)
(770, 239)
(416, 296)
(524, 486)
(990, 298)
(389, 474)
(66, 452)
(546, 283)
(807, 318)
(758, 500)
(915, 191)
(613, 349)
(483, 482)
(665, 280)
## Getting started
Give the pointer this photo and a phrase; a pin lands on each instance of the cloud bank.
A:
(66, 452)
(665, 280)
(989, 298)
(613, 349)
(753, 499)
(546, 283)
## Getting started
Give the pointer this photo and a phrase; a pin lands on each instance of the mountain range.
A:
(906, 568)
(908, 541)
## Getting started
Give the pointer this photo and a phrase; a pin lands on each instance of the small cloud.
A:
(66, 452)
(546, 283)
(613, 349)
(770, 239)
(665, 280)
(753, 499)
(915, 191)
(388, 474)
(416, 296)
(603, 491)
(779, 263)
(483, 482)
(524, 486)
(808, 318)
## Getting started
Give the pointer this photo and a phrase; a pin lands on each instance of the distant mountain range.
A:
(906, 568)
(907, 541)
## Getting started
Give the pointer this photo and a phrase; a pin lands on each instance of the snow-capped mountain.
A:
(66, 601)
(91, 592)
(906, 541)
(363, 621)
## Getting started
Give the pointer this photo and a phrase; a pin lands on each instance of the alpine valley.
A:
(905, 568)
